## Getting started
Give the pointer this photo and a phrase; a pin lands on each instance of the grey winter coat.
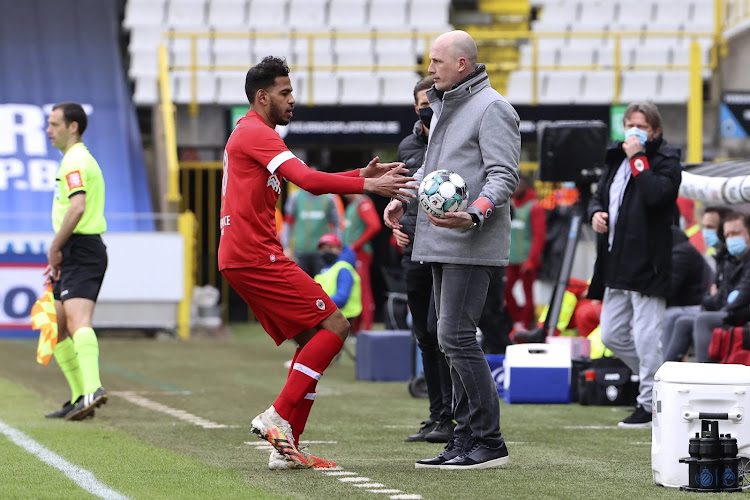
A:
(474, 132)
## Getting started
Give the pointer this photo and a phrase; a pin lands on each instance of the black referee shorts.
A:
(83, 266)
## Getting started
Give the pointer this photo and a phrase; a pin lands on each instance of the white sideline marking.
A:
(589, 427)
(340, 473)
(384, 491)
(139, 400)
(81, 477)
(369, 485)
(355, 479)
(405, 496)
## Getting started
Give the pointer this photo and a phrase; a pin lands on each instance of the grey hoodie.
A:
(474, 132)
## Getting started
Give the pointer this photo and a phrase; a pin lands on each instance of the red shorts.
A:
(284, 298)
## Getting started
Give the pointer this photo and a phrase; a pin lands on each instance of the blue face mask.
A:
(641, 134)
(736, 245)
(710, 237)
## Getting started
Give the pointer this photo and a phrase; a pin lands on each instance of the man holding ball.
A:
(474, 133)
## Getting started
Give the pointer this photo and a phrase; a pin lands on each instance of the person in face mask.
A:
(632, 211)
(338, 277)
(712, 232)
(728, 300)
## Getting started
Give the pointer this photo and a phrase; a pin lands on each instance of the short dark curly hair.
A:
(263, 75)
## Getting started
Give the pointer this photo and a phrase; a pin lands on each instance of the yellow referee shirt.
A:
(79, 172)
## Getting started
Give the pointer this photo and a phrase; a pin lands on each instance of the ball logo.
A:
(320, 304)
(639, 165)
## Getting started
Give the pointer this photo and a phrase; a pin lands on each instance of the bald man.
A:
(473, 132)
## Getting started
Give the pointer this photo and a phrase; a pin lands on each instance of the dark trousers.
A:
(495, 323)
(460, 292)
(424, 327)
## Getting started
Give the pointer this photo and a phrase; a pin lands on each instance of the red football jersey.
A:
(249, 190)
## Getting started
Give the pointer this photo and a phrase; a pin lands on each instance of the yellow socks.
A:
(88, 358)
(66, 357)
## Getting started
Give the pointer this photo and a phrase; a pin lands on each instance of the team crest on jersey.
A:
(320, 304)
(275, 183)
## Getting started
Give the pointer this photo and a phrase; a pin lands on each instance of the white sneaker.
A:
(270, 426)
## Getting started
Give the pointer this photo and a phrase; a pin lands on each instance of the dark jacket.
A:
(733, 275)
(411, 152)
(691, 275)
(641, 255)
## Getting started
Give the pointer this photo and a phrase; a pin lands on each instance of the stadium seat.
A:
(674, 87)
(146, 91)
(322, 51)
(519, 89)
(231, 88)
(701, 16)
(307, 15)
(353, 51)
(206, 87)
(265, 15)
(143, 13)
(598, 87)
(227, 14)
(389, 15)
(395, 51)
(347, 15)
(300, 87)
(575, 56)
(277, 47)
(633, 16)
(145, 37)
(652, 52)
(638, 86)
(398, 87)
(186, 14)
(144, 62)
(560, 87)
(557, 17)
(325, 87)
(670, 15)
(180, 49)
(360, 87)
(596, 17)
(232, 51)
(548, 53)
(429, 15)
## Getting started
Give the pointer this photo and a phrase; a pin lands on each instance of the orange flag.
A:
(44, 319)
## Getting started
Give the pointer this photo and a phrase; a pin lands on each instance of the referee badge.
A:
(321, 305)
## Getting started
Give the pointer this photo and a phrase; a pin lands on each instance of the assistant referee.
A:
(77, 260)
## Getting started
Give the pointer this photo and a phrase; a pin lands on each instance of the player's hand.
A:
(50, 275)
(375, 169)
(452, 220)
(392, 185)
(632, 146)
(392, 214)
(600, 221)
(402, 239)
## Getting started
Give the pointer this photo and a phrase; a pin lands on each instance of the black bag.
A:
(607, 382)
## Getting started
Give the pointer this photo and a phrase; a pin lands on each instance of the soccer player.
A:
(285, 300)
(77, 260)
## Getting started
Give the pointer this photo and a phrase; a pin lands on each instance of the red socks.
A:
(297, 396)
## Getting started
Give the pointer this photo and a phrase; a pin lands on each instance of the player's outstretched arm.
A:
(391, 184)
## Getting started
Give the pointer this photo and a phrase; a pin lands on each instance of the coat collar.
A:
(477, 80)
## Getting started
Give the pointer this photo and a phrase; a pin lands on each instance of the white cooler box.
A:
(537, 373)
(686, 393)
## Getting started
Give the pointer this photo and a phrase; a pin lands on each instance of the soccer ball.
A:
(443, 191)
